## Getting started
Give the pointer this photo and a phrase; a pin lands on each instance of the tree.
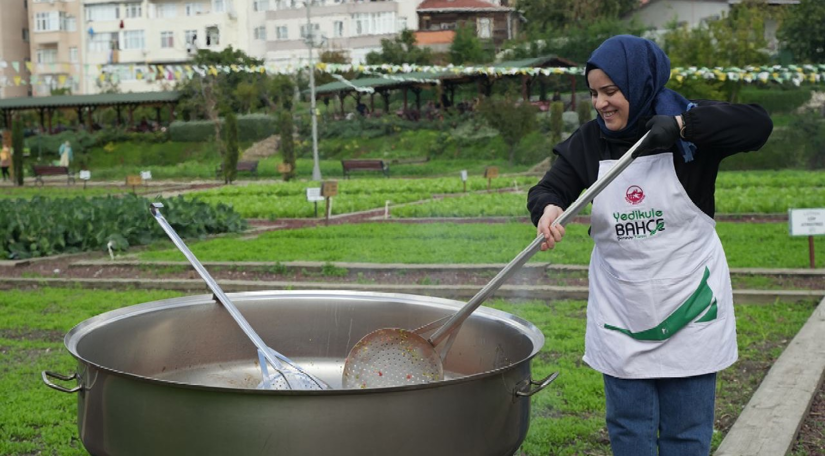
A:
(285, 127)
(803, 31)
(512, 118)
(402, 49)
(222, 86)
(247, 95)
(17, 145)
(736, 39)
(546, 16)
(467, 48)
(230, 162)
(279, 90)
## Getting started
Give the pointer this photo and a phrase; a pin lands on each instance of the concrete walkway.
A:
(770, 421)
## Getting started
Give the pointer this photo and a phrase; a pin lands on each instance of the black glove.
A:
(664, 132)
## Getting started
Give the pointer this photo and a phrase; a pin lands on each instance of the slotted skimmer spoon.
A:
(286, 374)
(399, 357)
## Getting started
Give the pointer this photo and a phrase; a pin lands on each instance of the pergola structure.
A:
(87, 104)
(448, 80)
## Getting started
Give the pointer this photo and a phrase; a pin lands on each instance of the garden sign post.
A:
(328, 190)
(464, 179)
(490, 173)
(85, 175)
(313, 196)
(807, 222)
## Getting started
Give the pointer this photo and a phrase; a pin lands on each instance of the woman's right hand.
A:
(552, 234)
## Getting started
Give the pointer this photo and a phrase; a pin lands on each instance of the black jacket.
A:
(717, 129)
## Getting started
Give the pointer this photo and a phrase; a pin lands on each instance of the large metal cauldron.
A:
(177, 377)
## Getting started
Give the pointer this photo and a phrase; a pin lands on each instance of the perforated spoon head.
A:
(391, 357)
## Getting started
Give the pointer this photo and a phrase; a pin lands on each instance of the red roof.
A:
(460, 4)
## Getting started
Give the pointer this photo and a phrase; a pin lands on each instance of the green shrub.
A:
(230, 161)
(585, 111)
(556, 120)
(775, 99)
(17, 157)
(252, 127)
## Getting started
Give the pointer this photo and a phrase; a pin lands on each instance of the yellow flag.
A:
(17, 80)
(61, 79)
(29, 66)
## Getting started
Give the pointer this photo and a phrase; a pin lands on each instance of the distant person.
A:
(5, 162)
(66, 155)
(362, 109)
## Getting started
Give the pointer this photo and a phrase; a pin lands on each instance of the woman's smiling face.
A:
(608, 100)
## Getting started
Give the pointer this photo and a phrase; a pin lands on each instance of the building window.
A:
(374, 23)
(73, 56)
(133, 10)
(26, 35)
(46, 55)
(213, 36)
(103, 42)
(167, 39)
(338, 29)
(193, 9)
(315, 30)
(281, 33)
(447, 26)
(102, 13)
(402, 24)
(167, 10)
(485, 27)
(133, 39)
(70, 24)
(191, 36)
(218, 6)
(46, 22)
(260, 5)
(260, 33)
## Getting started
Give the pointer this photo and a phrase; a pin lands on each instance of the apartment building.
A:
(123, 38)
(54, 45)
(14, 49)
(355, 27)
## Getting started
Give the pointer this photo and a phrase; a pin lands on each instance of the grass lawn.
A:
(759, 245)
(567, 418)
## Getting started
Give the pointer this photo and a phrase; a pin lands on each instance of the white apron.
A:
(660, 300)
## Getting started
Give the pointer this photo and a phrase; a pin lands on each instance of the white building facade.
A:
(126, 41)
(354, 27)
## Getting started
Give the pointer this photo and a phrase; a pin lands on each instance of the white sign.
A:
(464, 175)
(146, 175)
(314, 194)
(806, 222)
(85, 174)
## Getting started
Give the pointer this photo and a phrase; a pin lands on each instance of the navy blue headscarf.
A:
(640, 69)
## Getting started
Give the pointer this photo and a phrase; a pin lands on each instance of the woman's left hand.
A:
(664, 132)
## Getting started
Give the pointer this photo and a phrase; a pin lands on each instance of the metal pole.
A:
(310, 40)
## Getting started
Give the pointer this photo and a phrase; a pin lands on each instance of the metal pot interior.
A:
(194, 341)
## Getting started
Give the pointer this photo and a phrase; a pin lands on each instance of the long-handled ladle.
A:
(399, 357)
(287, 375)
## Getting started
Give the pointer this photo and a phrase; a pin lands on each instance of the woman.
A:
(66, 155)
(660, 320)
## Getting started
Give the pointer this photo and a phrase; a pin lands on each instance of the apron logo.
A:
(638, 224)
(634, 194)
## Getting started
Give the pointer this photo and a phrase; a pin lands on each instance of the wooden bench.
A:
(248, 166)
(365, 165)
(50, 170)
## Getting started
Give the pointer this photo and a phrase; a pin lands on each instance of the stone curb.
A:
(769, 423)
(545, 292)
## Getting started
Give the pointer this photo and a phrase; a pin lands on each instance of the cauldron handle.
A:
(46, 374)
(539, 385)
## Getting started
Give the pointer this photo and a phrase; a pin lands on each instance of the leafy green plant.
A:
(44, 226)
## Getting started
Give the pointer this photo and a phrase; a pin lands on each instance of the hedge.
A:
(251, 127)
(775, 100)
